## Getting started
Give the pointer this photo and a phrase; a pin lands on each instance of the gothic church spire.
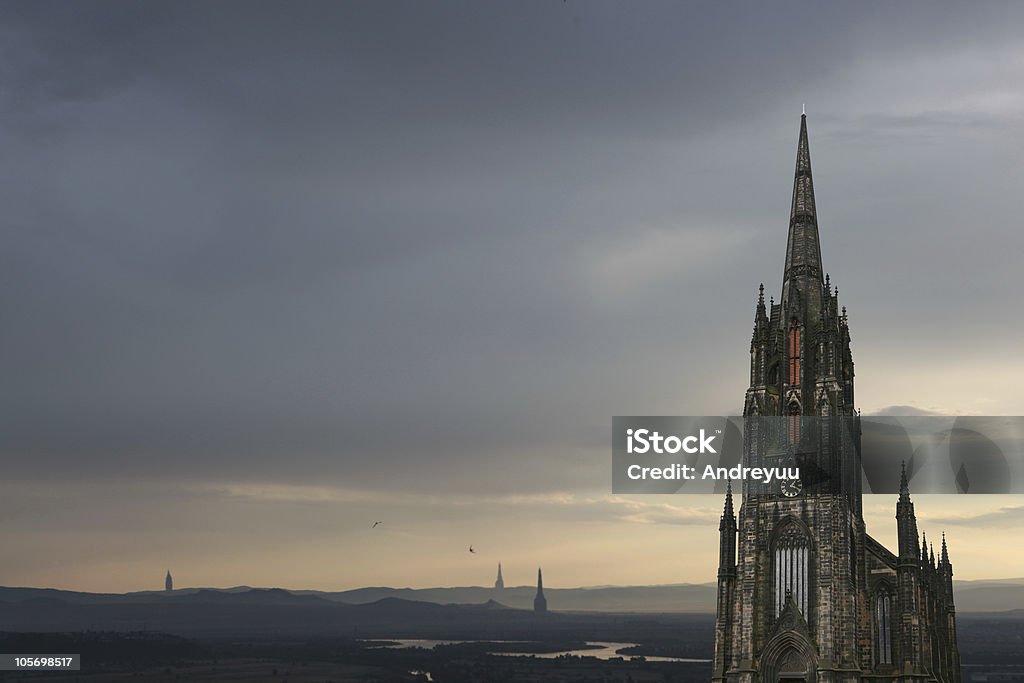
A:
(803, 251)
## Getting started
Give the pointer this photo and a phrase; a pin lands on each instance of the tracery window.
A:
(883, 627)
(793, 423)
(794, 380)
(794, 353)
(792, 558)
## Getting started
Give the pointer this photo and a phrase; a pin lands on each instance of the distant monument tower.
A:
(168, 582)
(540, 603)
(500, 583)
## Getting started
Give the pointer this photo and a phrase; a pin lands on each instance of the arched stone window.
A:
(883, 626)
(793, 423)
(791, 576)
(795, 377)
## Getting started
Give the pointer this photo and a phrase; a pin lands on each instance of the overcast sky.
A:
(274, 271)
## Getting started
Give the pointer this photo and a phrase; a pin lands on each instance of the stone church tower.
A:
(804, 593)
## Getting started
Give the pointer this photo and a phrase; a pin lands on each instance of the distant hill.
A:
(971, 596)
(989, 595)
(253, 596)
(275, 612)
(698, 598)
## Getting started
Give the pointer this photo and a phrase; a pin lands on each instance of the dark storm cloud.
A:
(332, 240)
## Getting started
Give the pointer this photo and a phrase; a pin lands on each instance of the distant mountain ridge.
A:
(990, 595)
(698, 598)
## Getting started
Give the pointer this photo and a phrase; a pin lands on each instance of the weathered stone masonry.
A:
(804, 593)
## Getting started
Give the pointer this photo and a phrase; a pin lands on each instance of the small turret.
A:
(759, 342)
(727, 536)
(946, 569)
(906, 521)
(761, 315)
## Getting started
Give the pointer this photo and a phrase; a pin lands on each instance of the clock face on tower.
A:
(791, 488)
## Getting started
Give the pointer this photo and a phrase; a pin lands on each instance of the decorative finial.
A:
(803, 110)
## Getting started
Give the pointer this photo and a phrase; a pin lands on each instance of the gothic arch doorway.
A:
(788, 658)
(791, 668)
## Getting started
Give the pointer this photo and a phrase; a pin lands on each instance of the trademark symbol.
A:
(718, 431)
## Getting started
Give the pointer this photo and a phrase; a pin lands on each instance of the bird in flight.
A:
(471, 549)
(375, 525)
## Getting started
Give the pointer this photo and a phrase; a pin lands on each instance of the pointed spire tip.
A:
(802, 250)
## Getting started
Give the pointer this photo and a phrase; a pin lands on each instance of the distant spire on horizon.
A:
(168, 582)
(540, 603)
(499, 584)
